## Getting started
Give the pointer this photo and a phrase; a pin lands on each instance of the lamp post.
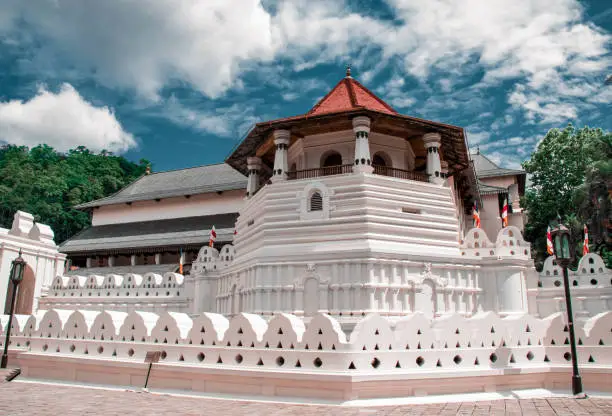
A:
(563, 253)
(17, 267)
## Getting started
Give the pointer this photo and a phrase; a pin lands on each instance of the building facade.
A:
(44, 262)
(349, 209)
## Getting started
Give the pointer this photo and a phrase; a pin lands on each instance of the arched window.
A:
(331, 159)
(316, 202)
(381, 159)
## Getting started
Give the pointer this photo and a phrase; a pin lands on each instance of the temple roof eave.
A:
(454, 146)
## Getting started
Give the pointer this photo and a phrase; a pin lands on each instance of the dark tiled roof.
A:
(198, 180)
(488, 189)
(175, 232)
(138, 269)
(485, 168)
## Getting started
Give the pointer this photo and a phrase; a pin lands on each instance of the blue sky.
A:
(180, 82)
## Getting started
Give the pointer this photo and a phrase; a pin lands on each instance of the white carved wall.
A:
(403, 347)
(591, 287)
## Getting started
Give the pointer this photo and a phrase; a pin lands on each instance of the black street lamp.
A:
(563, 253)
(17, 268)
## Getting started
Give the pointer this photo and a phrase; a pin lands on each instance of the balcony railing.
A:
(317, 172)
(400, 173)
(342, 169)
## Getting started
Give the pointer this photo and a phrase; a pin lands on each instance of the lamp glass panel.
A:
(17, 274)
(566, 246)
(558, 250)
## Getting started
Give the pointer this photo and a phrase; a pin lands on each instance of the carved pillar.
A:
(281, 140)
(253, 165)
(335, 306)
(444, 172)
(88, 262)
(432, 143)
(299, 300)
(133, 260)
(157, 258)
(363, 162)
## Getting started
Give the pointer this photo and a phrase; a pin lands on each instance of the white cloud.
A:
(221, 121)
(143, 44)
(477, 137)
(147, 44)
(542, 108)
(445, 84)
(64, 121)
(402, 102)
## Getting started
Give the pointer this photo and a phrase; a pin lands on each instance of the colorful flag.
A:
(585, 246)
(504, 214)
(549, 243)
(476, 215)
(181, 261)
(213, 236)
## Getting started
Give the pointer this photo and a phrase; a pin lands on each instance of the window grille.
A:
(316, 202)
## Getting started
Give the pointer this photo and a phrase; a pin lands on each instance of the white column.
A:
(111, 261)
(133, 259)
(253, 165)
(432, 143)
(157, 258)
(88, 262)
(361, 128)
(444, 172)
(281, 140)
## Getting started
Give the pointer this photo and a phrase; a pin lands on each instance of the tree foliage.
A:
(48, 184)
(571, 175)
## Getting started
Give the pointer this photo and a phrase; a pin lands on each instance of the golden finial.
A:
(348, 71)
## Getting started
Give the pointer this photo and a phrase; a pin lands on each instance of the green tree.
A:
(570, 174)
(48, 184)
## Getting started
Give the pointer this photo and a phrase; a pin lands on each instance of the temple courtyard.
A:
(32, 398)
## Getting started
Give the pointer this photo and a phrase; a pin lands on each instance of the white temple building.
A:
(345, 246)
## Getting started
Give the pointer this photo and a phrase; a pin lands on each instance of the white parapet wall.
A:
(287, 357)
(151, 292)
(590, 286)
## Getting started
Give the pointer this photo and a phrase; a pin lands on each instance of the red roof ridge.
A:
(380, 100)
(346, 96)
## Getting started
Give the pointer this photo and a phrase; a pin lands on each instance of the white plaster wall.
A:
(364, 253)
(179, 207)
(307, 153)
(40, 254)
(591, 288)
(247, 355)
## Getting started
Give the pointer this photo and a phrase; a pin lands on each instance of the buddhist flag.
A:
(549, 243)
(476, 215)
(504, 214)
(181, 261)
(585, 246)
(213, 236)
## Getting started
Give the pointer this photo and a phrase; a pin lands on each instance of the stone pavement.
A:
(42, 399)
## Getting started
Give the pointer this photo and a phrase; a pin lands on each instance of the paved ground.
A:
(41, 399)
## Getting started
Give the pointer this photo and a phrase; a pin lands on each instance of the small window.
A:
(316, 202)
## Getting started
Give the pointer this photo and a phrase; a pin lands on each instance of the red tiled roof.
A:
(349, 94)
